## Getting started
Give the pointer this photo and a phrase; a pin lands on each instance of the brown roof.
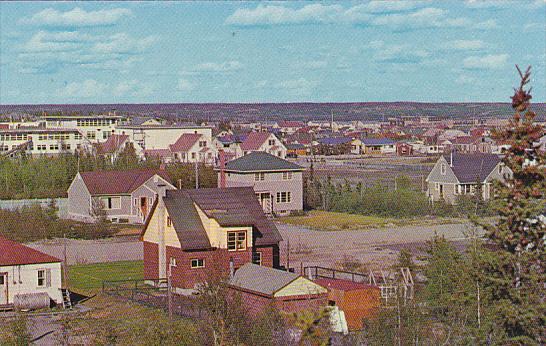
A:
(14, 253)
(254, 140)
(118, 182)
(185, 142)
(113, 143)
(470, 168)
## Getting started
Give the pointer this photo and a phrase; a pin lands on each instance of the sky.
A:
(170, 52)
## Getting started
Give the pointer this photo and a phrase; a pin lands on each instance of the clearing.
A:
(332, 221)
(88, 278)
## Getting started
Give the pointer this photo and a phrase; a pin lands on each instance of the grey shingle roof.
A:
(261, 161)
(261, 279)
(468, 168)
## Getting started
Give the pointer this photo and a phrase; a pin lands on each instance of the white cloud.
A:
(185, 85)
(123, 43)
(464, 79)
(397, 53)
(275, 15)
(300, 86)
(488, 4)
(464, 45)
(132, 88)
(428, 17)
(490, 61)
(214, 67)
(486, 25)
(311, 65)
(391, 6)
(77, 17)
(44, 41)
(86, 89)
(534, 27)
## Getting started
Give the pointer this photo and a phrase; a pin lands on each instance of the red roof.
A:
(343, 285)
(185, 142)
(4, 126)
(14, 253)
(118, 182)
(254, 140)
(113, 143)
(290, 123)
(157, 152)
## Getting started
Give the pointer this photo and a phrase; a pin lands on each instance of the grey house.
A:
(121, 196)
(278, 183)
(459, 174)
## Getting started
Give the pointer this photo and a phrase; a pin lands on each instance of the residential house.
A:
(277, 183)
(151, 137)
(296, 149)
(262, 287)
(334, 145)
(469, 144)
(378, 146)
(25, 271)
(115, 145)
(404, 149)
(196, 235)
(459, 174)
(289, 127)
(193, 147)
(120, 196)
(263, 141)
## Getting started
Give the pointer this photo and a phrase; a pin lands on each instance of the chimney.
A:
(231, 268)
(222, 169)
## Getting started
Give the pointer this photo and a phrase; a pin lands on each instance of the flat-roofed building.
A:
(96, 128)
(42, 141)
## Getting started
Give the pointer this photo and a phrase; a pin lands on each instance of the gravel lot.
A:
(377, 247)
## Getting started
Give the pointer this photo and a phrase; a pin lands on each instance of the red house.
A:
(197, 234)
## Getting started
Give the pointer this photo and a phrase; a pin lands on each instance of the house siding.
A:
(79, 200)
(256, 303)
(448, 181)
(22, 279)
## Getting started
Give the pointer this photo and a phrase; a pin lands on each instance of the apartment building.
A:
(42, 141)
(96, 128)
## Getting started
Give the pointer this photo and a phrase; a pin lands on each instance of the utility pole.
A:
(395, 184)
(479, 306)
(169, 291)
(180, 184)
(196, 175)
(287, 254)
(65, 272)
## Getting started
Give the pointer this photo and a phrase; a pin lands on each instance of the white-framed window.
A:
(44, 278)
(443, 169)
(193, 155)
(172, 262)
(271, 142)
(286, 175)
(284, 197)
(259, 176)
(197, 263)
(110, 203)
(169, 221)
(257, 258)
(236, 241)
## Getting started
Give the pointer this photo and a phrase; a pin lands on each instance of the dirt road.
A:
(377, 247)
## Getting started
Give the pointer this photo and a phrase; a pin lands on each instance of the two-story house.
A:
(459, 174)
(278, 183)
(196, 235)
(120, 196)
(193, 147)
(263, 141)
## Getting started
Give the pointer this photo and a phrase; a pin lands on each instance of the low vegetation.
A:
(50, 177)
(88, 278)
(36, 223)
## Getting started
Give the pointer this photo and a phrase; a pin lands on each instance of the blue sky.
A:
(151, 52)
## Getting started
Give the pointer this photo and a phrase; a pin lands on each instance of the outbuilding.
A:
(357, 300)
(26, 272)
(261, 287)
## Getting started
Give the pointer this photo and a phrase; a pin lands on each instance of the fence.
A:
(14, 204)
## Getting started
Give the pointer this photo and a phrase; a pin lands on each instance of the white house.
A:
(24, 270)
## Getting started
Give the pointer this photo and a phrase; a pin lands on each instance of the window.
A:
(2, 280)
(259, 176)
(193, 155)
(172, 262)
(271, 142)
(91, 135)
(169, 221)
(257, 258)
(111, 202)
(500, 169)
(286, 175)
(198, 263)
(443, 169)
(202, 144)
(236, 241)
(44, 278)
(284, 197)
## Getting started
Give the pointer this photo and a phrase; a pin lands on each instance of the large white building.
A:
(25, 271)
(96, 128)
(42, 141)
(158, 137)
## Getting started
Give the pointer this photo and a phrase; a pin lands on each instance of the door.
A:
(3, 288)
(144, 207)
(441, 191)
(265, 201)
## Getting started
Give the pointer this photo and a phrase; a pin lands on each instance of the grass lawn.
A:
(332, 221)
(88, 278)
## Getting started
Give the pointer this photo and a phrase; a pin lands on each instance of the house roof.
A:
(237, 206)
(118, 182)
(157, 152)
(465, 140)
(261, 161)
(14, 253)
(185, 142)
(113, 143)
(469, 168)
(377, 141)
(261, 279)
(254, 140)
(334, 140)
(291, 123)
(343, 285)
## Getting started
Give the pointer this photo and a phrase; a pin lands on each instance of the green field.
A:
(332, 221)
(89, 277)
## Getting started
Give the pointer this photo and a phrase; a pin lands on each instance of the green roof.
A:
(261, 161)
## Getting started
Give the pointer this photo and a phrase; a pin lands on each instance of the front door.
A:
(3, 288)
(265, 201)
(144, 207)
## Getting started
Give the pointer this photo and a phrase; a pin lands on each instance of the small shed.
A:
(357, 300)
(261, 287)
